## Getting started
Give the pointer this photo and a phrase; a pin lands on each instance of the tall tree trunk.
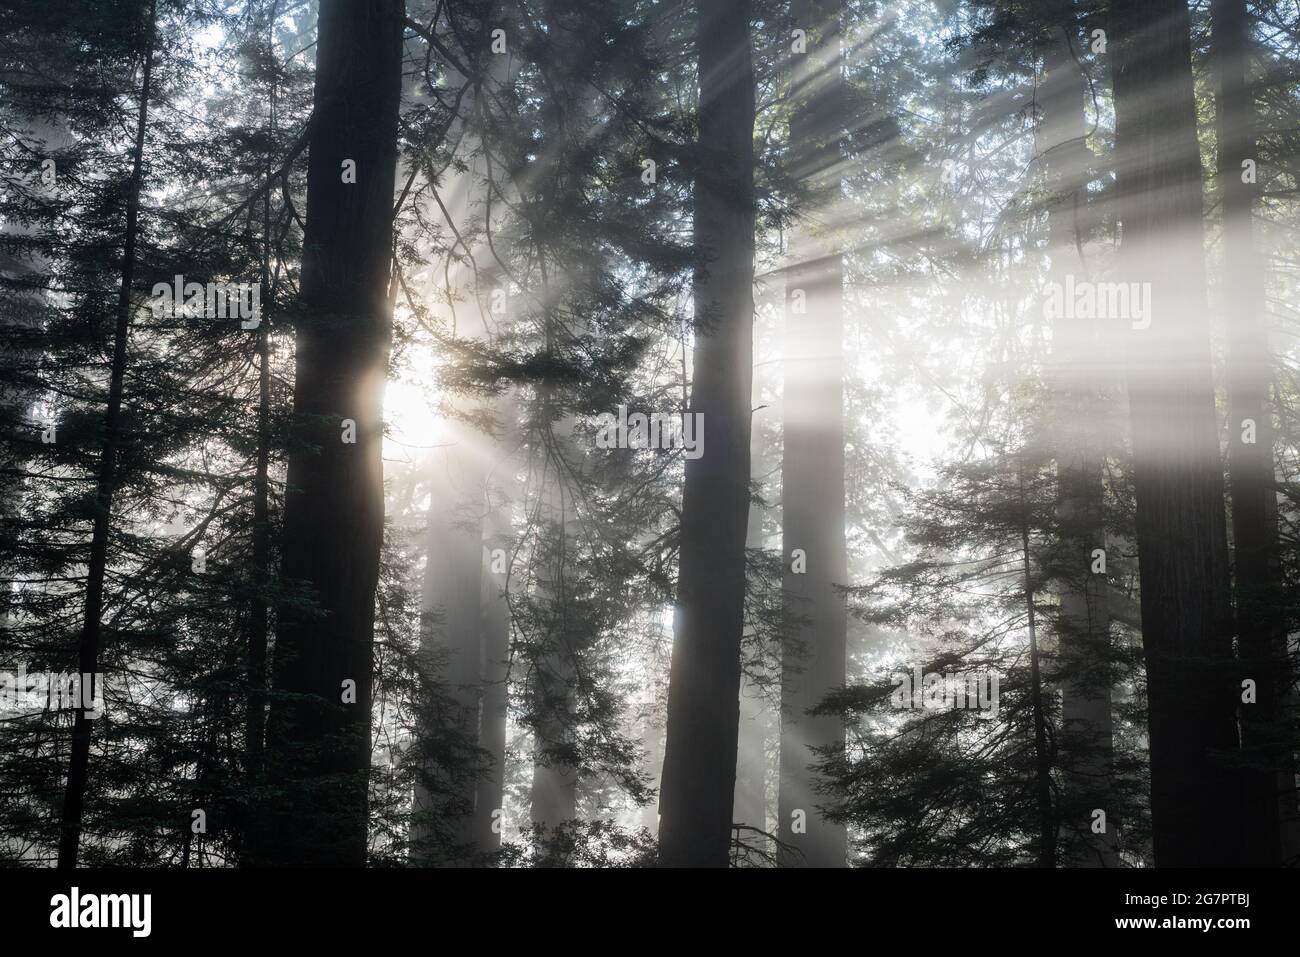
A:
(1080, 386)
(489, 800)
(704, 678)
(259, 611)
(1181, 533)
(555, 783)
(460, 585)
(450, 602)
(319, 744)
(812, 472)
(1261, 627)
(495, 635)
(74, 795)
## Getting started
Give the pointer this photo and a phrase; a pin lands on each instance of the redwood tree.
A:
(812, 470)
(1261, 626)
(1081, 390)
(1178, 477)
(318, 733)
(699, 773)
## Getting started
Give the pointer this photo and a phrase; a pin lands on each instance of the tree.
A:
(495, 632)
(1082, 390)
(318, 732)
(1260, 606)
(106, 481)
(812, 475)
(760, 677)
(973, 605)
(704, 680)
(1181, 530)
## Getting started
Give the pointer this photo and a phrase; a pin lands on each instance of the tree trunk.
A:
(495, 641)
(704, 678)
(450, 602)
(1261, 628)
(489, 796)
(74, 795)
(1080, 386)
(319, 745)
(812, 471)
(258, 618)
(1181, 534)
(555, 783)
(459, 584)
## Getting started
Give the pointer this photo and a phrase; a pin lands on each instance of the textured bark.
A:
(74, 794)
(1181, 533)
(1261, 628)
(1080, 381)
(812, 472)
(704, 678)
(318, 748)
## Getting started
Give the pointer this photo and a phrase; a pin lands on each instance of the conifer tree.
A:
(704, 684)
(319, 726)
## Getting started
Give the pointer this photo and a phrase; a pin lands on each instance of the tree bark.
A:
(704, 678)
(318, 746)
(1178, 477)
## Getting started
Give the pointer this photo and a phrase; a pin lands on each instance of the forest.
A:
(759, 434)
